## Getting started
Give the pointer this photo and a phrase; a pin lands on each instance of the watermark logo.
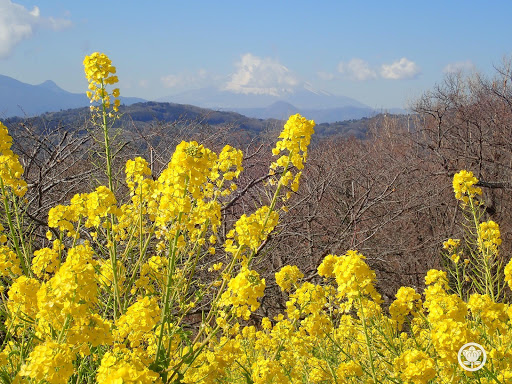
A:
(472, 356)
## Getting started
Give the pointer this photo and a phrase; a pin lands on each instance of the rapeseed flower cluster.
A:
(483, 265)
(295, 139)
(293, 148)
(139, 320)
(22, 303)
(452, 246)
(352, 274)
(47, 260)
(464, 186)
(489, 236)
(508, 274)
(407, 302)
(100, 72)
(68, 304)
(288, 277)
(251, 230)
(135, 171)
(11, 170)
(243, 293)
(51, 362)
(114, 308)
(124, 366)
(9, 263)
(89, 208)
(414, 366)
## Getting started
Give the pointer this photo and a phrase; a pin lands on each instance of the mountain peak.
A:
(21, 99)
(305, 96)
(49, 84)
(310, 88)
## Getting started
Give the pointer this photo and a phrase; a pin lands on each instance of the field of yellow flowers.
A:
(114, 309)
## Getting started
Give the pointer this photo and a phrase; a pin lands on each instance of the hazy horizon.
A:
(382, 54)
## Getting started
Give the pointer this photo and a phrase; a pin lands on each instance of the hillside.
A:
(143, 114)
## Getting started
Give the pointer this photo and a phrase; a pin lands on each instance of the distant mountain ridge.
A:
(320, 106)
(281, 110)
(142, 114)
(22, 99)
(304, 97)
(26, 100)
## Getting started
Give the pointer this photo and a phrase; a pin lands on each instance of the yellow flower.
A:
(355, 277)
(349, 369)
(463, 186)
(448, 336)
(508, 273)
(46, 260)
(126, 367)
(22, 303)
(251, 230)
(451, 244)
(326, 269)
(295, 138)
(51, 362)
(288, 276)
(435, 276)
(415, 366)
(293, 147)
(216, 267)
(139, 319)
(243, 292)
(308, 298)
(100, 72)
(71, 291)
(407, 301)
(489, 236)
(9, 262)
(11, 169)
(135, 171)
(93, 330)
(493, 315)
(266, 371)
(106, 274)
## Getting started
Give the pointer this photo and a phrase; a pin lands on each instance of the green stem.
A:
(113, 263)
(169, 283)
(367, 339)
(26, 255)
(105, 127)
(64, 328)
(14, 235)
(110, 235)
(486, 258)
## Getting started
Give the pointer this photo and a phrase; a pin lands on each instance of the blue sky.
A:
(382, 53)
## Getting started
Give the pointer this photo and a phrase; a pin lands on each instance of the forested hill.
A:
(142, 114)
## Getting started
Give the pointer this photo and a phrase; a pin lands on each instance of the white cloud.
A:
(401, 69)
(325, 75)
(256, 75)
(171, 81)
(56, 24)
(186, 79)
(459, 66)
(357, 69)
(18, 23)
